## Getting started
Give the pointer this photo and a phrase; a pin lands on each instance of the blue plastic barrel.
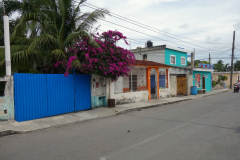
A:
(194, 90)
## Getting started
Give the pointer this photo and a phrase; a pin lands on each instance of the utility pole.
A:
(194, 57)
(209, 59)
(7, 42)
(232, 60)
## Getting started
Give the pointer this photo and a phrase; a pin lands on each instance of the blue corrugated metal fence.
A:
(42, 95)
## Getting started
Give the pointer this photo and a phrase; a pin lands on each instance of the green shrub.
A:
(214, 83)
(33, 71)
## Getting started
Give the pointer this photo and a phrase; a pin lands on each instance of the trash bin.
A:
(224, 85)
(194, 90)
(111, 102)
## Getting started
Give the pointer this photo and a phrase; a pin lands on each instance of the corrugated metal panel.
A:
(60, 94)
(82, 92)
(29, 96)
(42, 95)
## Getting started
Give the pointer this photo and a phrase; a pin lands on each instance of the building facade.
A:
(202, 78)
(180, 74)
(235, 77)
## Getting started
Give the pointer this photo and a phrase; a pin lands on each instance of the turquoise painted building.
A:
(165, 54)
(175, 57)
(202, 78)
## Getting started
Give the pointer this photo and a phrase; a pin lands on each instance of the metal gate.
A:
(43, 95)
(181, 85)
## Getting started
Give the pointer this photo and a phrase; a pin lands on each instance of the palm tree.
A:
(225, 67)
(237, 65)
(219, 66)
(52, 26)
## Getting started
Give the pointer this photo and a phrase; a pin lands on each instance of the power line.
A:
(152, 27)
(143, 26)
(148, 29)
(173, 25)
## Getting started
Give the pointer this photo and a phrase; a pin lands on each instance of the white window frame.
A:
(171, 59)
(184, 61)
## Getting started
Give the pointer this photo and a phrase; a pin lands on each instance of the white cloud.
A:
(237, 26)
(183, 26)
(205, 21)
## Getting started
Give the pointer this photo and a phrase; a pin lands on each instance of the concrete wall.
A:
(152, 55)
(101, 90)
(173, 79)
(173, 84)
(227, 82)
(189, 83)
(98, 94)
(123, 82)
(218, 86)
(164, 93)
(180, 70)
(7, 101)
(130, 97)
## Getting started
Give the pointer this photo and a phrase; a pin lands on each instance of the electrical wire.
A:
(127, 20)
(148, 29)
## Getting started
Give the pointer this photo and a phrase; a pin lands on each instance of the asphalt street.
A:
(202, 129)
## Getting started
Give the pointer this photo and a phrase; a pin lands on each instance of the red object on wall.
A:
(97, 85)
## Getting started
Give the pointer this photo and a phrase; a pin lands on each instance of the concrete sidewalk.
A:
(13, 127)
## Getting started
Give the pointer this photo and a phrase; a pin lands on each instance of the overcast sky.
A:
(206, 25)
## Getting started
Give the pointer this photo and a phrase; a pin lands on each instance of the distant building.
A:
(207, 66)
(235, 77)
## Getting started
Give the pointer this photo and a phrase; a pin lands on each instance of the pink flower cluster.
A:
(107, 60)
(69, 64)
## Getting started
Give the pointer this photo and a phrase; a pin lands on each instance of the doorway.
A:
(181, 84)
(153, 84)
(203, 82)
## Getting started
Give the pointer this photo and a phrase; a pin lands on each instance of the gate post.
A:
(74, 89)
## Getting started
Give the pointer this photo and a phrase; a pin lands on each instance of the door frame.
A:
(149, 81)
(203, 82)
(180, 77)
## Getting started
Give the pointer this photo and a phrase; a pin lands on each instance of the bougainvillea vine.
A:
(108, 60)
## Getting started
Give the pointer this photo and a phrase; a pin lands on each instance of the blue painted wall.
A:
(178, 55)
(208, 66)
(208, 79)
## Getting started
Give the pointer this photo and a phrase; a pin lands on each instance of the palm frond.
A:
(27, 17)
(21, 58)
(44, 39)
(58, 54)
(89, 18)
(21, 41)
(76, 63)
(73, 36)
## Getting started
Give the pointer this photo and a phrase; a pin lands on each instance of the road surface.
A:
(201, 129)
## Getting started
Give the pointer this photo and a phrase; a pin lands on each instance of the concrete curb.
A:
(151, 106)
(9, 132)
(158, 105)
(12, 132)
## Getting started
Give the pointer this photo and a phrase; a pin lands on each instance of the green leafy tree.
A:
(219, 66)
(225, 67)
(237, 65)
(196, 62)
(52, 27)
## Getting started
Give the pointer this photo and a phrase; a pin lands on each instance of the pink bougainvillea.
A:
(107, 60)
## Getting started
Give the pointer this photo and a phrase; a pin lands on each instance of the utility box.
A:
(99, 101)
